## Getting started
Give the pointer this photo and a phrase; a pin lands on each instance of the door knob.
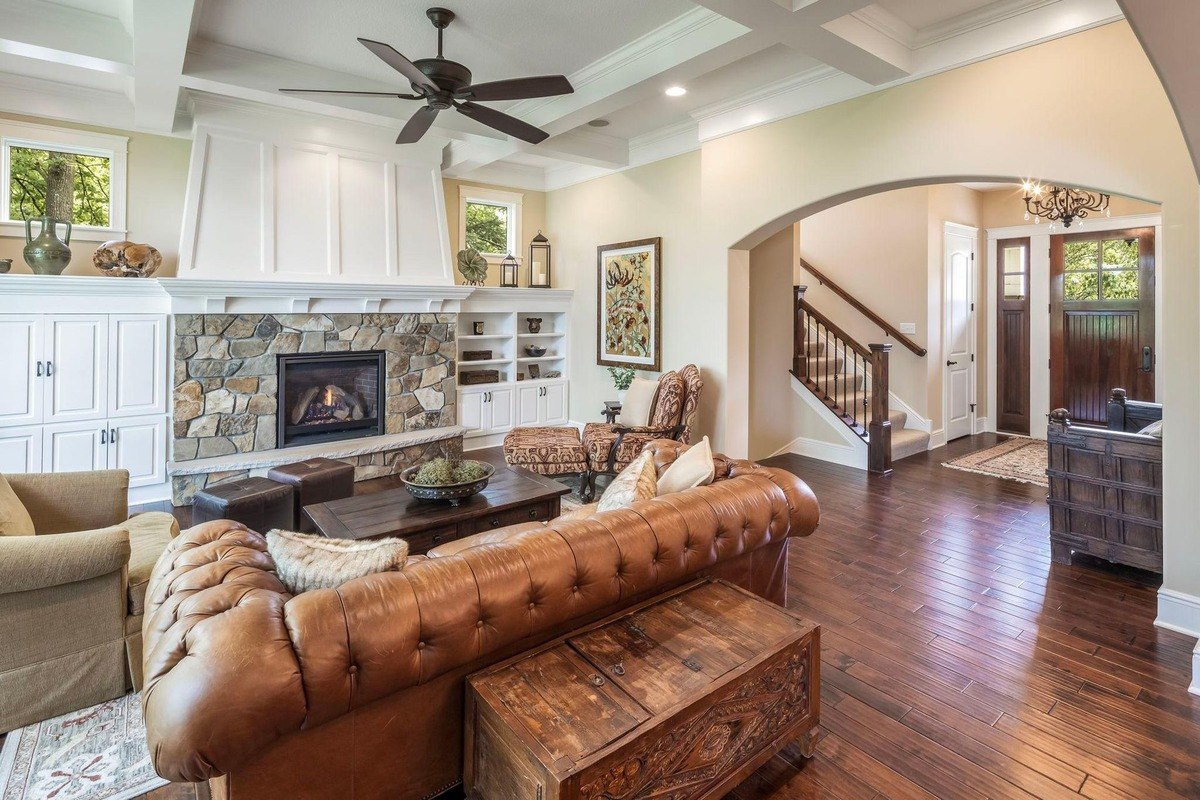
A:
(951, 363)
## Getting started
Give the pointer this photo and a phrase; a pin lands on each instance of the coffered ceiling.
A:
(139, 64)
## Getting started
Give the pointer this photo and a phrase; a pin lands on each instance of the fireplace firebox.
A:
(326, 397)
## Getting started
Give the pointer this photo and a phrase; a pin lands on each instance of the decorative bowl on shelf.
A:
(534, 351)
(443, 479)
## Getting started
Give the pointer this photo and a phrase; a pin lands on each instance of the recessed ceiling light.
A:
(676, 91)
(599, 123)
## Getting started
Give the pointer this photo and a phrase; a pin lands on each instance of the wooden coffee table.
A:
(513, 495)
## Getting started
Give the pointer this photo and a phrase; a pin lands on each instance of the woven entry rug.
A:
(1017, 459)
(98, 753)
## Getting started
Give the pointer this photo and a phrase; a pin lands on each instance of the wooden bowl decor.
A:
(534, 351)
(120, 259)
(443, 479)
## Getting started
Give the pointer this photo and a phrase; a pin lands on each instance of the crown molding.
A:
(981, 17)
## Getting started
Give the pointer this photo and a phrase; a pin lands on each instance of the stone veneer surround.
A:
(225, 382)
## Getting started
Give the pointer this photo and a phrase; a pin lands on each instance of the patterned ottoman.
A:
(547, 451)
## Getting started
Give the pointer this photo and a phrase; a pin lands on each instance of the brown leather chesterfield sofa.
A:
(357, 692)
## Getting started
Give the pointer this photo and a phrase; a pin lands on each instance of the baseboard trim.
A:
(1195, 687)
(937, 439)
(826, 451)
(1178, 612)
(983, 425)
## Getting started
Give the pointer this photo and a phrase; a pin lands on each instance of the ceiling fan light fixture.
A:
(676, 91)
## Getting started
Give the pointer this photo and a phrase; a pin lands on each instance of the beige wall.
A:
(951, 127)
(533, 219)
(1004, 208)
(158, 168)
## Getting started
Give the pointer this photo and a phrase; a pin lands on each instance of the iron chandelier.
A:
(1061, 204)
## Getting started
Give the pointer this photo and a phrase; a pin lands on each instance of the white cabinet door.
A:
(501, 402)
(554, 404)
(138, 444)
(75, 447)
(21, 369)
(529, 401)
(76, 355)
(21, 449)
(137, 365)
(472, 411)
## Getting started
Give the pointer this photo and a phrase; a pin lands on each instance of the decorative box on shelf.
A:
(476, 376)
(477, 355)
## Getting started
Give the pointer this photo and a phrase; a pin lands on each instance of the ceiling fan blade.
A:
(503, 122)
(417, 125)
(398, 62)
(520, 88)
(341, 91)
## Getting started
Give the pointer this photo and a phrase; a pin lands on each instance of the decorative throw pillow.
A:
(307, 561)
(14, 518)
(694, 467)
(639, 402)
(636, 482)
(1153, 429)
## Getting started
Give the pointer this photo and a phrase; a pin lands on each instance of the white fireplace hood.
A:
(279, 196)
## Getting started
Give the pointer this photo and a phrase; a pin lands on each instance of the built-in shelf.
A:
(505, 333)
(537, 359)
(485, 362)
(551, 335)
(477, 336)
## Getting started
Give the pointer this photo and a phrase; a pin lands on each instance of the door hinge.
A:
(1049, 364)
(1049, 308)
(972, 358)
(972, 306)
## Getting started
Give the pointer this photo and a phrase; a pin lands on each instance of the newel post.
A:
(879, 444)
(799, 352)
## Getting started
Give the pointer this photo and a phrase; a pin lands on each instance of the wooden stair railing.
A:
(851, 380)
(888, 328)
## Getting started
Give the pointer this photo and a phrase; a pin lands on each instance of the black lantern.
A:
(539, 262)
(508, 272)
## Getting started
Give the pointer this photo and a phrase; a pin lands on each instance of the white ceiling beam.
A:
(61, 35)
(160, 37)
(808, 30)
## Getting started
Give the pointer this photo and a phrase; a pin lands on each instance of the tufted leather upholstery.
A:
(244, 679)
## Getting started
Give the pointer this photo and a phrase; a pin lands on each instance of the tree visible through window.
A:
(67, 186)
(487, 227)
(1101, 270)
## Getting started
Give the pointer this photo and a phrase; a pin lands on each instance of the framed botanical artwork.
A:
(629, 323)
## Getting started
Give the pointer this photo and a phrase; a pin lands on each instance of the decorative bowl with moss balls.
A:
(447, 479)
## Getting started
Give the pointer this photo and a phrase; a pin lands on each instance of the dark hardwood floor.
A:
(959, 662)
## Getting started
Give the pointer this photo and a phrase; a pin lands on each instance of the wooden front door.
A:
(1012, 335)
(1102, 320)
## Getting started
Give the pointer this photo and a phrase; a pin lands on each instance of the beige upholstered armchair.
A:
(73, 594)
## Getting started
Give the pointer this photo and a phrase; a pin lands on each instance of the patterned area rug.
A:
(1017, 459)
(98, 753)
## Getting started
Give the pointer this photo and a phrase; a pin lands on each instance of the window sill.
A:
(80, 233)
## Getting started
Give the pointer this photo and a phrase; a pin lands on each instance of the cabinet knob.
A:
(49, 368)
(112, 435)
(495, 523)
(533, 512)
(103, 436)
(438, 537)
(40, 367)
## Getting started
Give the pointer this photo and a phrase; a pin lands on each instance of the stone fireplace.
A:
(240, 381)
(328, 397)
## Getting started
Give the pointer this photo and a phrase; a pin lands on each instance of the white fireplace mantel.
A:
(197, 296)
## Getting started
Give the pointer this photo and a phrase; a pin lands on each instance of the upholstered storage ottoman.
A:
(546, 451)
(316, 480)
(258, 503)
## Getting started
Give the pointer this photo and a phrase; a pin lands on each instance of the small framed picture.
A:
(477, 327)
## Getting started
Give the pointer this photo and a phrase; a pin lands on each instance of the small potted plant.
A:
(447, 479)
(622, 377)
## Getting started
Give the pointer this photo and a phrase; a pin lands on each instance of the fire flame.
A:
(328, 399)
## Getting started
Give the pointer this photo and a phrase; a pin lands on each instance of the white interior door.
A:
(21, 449)
(137, 366)
(554, 404)
(76, 367)
(75, 447)
(138, 444)
(959, 412)
(21, 369)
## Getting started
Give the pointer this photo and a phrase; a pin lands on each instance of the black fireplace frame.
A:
(333, 431)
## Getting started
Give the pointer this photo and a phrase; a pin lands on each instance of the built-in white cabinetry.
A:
(85, 392)
(496, 329)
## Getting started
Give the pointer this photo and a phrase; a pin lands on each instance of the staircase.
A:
(851, 381)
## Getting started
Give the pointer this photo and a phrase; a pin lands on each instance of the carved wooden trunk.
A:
(679, 698)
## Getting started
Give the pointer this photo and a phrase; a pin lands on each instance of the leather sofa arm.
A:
(61, 502)
(28, 563)
(222, 680)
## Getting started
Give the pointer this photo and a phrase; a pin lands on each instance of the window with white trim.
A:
(489, 221)
(66, 174)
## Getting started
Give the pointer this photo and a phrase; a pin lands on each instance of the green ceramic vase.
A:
(47, 254)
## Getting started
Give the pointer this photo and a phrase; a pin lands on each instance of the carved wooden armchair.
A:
(611, 447)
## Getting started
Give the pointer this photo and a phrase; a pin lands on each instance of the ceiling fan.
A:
(445, 84)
